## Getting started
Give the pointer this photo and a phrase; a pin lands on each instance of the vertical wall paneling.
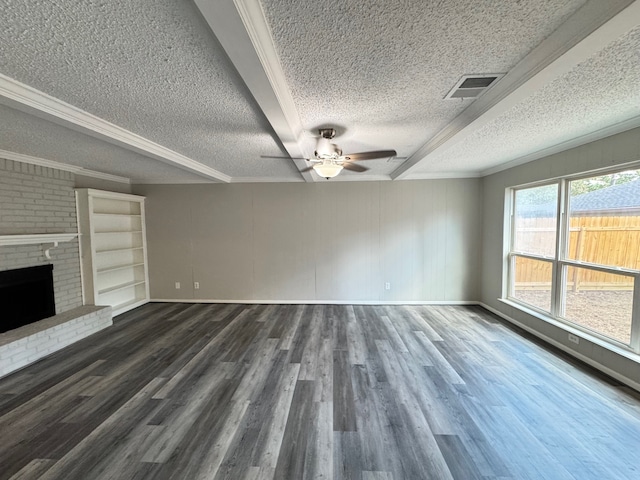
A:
(328, 241)
(221, 261)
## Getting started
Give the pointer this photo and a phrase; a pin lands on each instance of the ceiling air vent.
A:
(472, 86)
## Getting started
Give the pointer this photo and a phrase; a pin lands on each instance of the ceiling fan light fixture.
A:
(328, 169)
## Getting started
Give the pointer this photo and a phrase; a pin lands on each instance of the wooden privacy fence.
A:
(606, 240)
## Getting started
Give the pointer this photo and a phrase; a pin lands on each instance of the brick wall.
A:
(23, 346)
(36, 199)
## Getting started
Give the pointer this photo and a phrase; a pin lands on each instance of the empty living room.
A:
(294, 240)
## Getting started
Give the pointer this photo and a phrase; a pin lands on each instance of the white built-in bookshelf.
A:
(113, 248)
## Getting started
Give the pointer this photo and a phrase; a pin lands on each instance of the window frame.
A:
(513, 253)
(561, 261)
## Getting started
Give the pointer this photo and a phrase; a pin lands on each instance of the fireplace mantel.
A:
(38, 238)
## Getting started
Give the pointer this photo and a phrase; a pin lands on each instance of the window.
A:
(574, 253)
(534, 244)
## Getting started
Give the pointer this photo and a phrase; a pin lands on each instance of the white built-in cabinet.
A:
(113, 249)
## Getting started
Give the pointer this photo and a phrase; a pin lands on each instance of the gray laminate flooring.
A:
(191, 391)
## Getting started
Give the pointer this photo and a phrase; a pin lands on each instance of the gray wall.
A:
(615, 150)
(36, 199)
(333, 241)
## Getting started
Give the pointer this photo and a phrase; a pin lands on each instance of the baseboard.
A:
(319, 302)
(589, 361)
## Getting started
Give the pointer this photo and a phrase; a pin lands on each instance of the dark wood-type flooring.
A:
(191, 391)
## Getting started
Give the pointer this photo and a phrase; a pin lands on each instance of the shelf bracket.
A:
(47, 240)
(46, 249)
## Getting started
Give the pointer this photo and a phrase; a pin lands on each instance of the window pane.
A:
(600, 301)
(604, 213)
(535, 220)
(532, 282)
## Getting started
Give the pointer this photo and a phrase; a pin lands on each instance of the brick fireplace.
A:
(37, 206)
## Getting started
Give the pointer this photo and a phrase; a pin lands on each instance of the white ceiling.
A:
(170, 91)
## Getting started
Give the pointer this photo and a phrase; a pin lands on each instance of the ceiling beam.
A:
(243, 32)
(589, 30)
(22, 97)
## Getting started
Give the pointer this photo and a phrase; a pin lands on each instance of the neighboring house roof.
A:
(625, 195)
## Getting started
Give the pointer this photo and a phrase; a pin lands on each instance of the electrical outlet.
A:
(196, 285)
(177, 285)
(387, 286)
(574, 339)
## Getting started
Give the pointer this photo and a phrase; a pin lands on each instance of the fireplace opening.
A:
(26, 296)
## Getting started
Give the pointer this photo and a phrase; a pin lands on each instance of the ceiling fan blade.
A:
(308, 169)
(355, 157)
(354, 167)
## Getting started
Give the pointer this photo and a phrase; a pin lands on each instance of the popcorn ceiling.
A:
(150, 66)
(597, 93)
(382, 68)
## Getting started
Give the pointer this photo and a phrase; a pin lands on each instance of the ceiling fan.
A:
(329, 160)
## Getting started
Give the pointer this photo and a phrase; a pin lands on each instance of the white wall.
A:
(615, 150)
(333, 241)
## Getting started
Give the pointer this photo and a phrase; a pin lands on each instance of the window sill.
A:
(569, 328)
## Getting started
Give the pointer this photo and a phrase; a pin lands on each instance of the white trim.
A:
(255, 23)
(43, 162)
(266, 180)
(441, 175)
(48, 240)
(355, 178)
(114, 195)
(36, 238)
(28, 99)
(634, 342)
(561, 147)
(590, 29)
(242, 29)
(589, 361)
(591, 335)
(318, 302)
(121, 310)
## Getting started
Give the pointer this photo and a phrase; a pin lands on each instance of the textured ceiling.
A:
(600, 92)
(381, 69)
(29, 135)
(377, 71)
(150, 66)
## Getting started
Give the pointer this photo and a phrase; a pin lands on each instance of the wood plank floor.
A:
(190, 391)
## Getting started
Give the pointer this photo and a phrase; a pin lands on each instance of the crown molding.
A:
(266, 180)
(27, 99)
(242, 29)
(355, 178)
(590, 29)
(569, 144)
(43, 162)
(441, 175)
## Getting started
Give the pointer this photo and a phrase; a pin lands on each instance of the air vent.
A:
(472, 86)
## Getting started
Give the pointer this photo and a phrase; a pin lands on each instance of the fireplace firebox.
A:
(26, 296)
